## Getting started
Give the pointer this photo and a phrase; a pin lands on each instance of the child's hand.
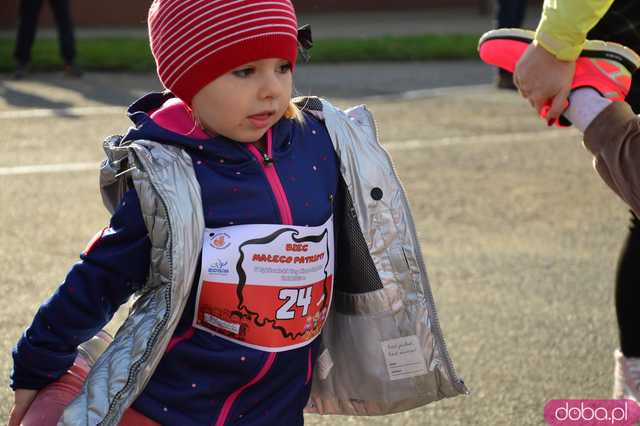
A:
(22, 399)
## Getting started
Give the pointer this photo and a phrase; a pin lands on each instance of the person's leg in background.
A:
(62, 13)
(509, 14)
(28, 14)
(620, 25)
(627, 295)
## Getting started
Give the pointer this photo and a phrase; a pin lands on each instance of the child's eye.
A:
(284, 68)
(243, 72)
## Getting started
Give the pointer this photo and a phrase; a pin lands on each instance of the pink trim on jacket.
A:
(226, 408)
(287, 219)
(177, 339)
(309, 368)
(274, 180)
(176, 116)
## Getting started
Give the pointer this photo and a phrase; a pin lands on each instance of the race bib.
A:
(268, 287)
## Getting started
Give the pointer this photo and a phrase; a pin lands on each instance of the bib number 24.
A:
(300, 297)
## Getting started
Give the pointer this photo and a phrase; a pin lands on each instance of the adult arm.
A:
(613, 138)
(545, 71)
(564, 25)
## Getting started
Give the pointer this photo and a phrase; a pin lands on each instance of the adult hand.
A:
(22, 400)
(541, 77)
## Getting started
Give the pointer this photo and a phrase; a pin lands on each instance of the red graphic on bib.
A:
(273, 316)
(220, 241)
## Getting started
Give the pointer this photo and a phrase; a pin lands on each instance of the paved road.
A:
(519, 234)
(338, 80)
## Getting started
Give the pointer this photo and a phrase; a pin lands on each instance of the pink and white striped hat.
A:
(196, 41)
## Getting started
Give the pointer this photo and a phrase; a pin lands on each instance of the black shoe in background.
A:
(504, 80)
(72, 70)
(21, 71)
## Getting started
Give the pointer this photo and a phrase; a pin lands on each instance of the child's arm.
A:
(613, 137)
(21, 402)
(110, 271)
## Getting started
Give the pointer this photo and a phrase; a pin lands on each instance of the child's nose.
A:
(271, 86)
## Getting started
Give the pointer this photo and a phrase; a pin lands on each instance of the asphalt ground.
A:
(520, 235)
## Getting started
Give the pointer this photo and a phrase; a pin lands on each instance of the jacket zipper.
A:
(228, 404)
(265, 159)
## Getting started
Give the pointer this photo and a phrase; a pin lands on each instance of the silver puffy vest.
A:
(382, 301)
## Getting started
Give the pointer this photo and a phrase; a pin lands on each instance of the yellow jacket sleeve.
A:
(564, 25)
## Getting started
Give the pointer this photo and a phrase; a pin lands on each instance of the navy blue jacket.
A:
(199, 371)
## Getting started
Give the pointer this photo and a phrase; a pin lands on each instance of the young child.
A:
(238, 220)
(612, 134)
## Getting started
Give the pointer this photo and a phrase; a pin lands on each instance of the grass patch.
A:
(105, 54)
(132, 54)
(406, 48)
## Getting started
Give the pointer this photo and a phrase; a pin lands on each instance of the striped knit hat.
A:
(196, 41)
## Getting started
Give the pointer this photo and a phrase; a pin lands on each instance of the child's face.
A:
(245, 102)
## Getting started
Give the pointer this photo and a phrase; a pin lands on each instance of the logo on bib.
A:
(219, 241)
(220, 267)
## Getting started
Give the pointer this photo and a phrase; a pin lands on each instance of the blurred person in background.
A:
(544, 76)
(509, 14)
(29, 12)
(620, 24)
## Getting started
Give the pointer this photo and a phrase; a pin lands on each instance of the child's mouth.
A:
(261, 120)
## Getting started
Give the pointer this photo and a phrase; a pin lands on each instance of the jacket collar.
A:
(142, 111)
